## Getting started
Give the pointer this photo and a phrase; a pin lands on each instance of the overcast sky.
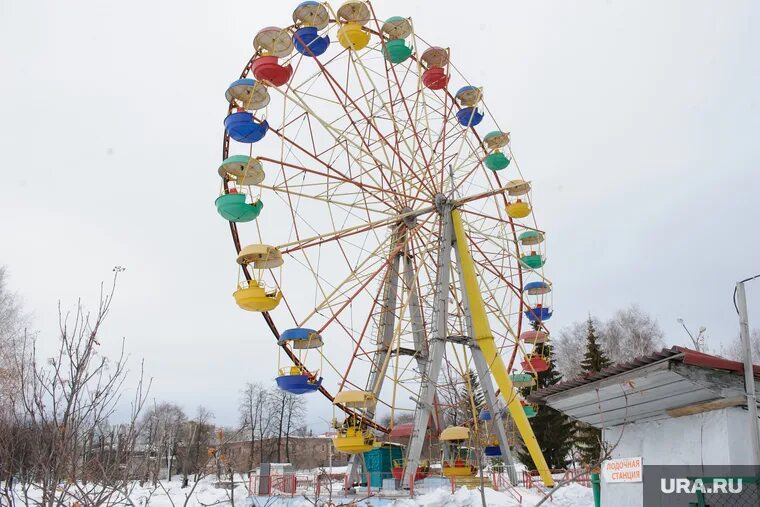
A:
(636, 121)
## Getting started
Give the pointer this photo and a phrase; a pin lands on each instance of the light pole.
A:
(699, 341)
(740, 303)
(330, 445)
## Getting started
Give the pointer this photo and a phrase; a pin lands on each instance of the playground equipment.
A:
(407, 226)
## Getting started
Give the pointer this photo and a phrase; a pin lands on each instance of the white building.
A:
(675, 407)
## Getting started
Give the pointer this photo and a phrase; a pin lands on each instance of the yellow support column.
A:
(484, 338)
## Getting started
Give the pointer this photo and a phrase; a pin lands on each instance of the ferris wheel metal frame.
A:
(486, 355)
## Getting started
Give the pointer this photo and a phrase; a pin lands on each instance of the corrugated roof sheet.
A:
(683, 354)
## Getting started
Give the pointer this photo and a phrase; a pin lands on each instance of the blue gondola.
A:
(308, 36)
(298, 383)
(295, 379)
(539, 313)
(492, 451)
(469, 116)
(244, 129)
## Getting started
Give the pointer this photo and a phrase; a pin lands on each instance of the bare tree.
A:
(398, 418)
(632, 333)
(162, 429)
(265, 421)
(253, 403)
(278, 404)
(65, 403)
(295, 411)
(196, 450)
(14, 439)
(735, 349)
(570, 345)
(629, 334)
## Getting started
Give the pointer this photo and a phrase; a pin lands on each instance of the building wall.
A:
(720, 437)
(305, 452)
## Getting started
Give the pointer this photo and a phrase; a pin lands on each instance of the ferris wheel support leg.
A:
(498, 423)
(437, 346)
(382, 352)
(485, 380)
(484, 339)
(415, 314)
(385, 329)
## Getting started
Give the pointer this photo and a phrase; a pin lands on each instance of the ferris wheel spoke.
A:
(487, 264)
(339, 138)
(324, 198)
(358, 341)
(372, 117)
(388, 108)
(321, 239)
(400, 88)
(395, 250)
(332, 82)
(354, 276)
(364, 187)
(336, 87)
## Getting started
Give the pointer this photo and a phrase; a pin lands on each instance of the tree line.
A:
(584, 348)
(57, 437)
(56, 432)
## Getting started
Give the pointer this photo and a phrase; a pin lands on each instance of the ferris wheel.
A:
(384, 231)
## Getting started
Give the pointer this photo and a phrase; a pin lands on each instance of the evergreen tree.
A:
(553, 430)
(477, 390)
(594, 359)
(587, 438)
(470, 387)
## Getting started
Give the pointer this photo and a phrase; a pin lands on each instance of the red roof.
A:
(696, 358)
(402, 430)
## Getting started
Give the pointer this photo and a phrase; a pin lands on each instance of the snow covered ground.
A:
(171, 494)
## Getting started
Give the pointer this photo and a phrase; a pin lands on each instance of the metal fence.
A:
(384, 484)
(735, 492)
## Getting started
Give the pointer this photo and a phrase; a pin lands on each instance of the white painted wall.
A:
(720, 437)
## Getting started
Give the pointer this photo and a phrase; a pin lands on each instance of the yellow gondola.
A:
(353, 435)
(518, 209)
(460, 462)
(353, 16)
(253, 295)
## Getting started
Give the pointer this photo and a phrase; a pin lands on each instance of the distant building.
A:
(674, 407)
(310, 452)
(304, 452)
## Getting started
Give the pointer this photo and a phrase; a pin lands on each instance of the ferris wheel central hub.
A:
(442, 204)
(408, 217)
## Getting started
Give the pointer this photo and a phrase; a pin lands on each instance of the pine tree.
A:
(594, 359)
(470, 387)
(477, 390)
(553, 430)
(588, 439)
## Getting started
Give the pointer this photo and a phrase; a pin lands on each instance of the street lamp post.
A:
(699, 341)
(740, 301)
